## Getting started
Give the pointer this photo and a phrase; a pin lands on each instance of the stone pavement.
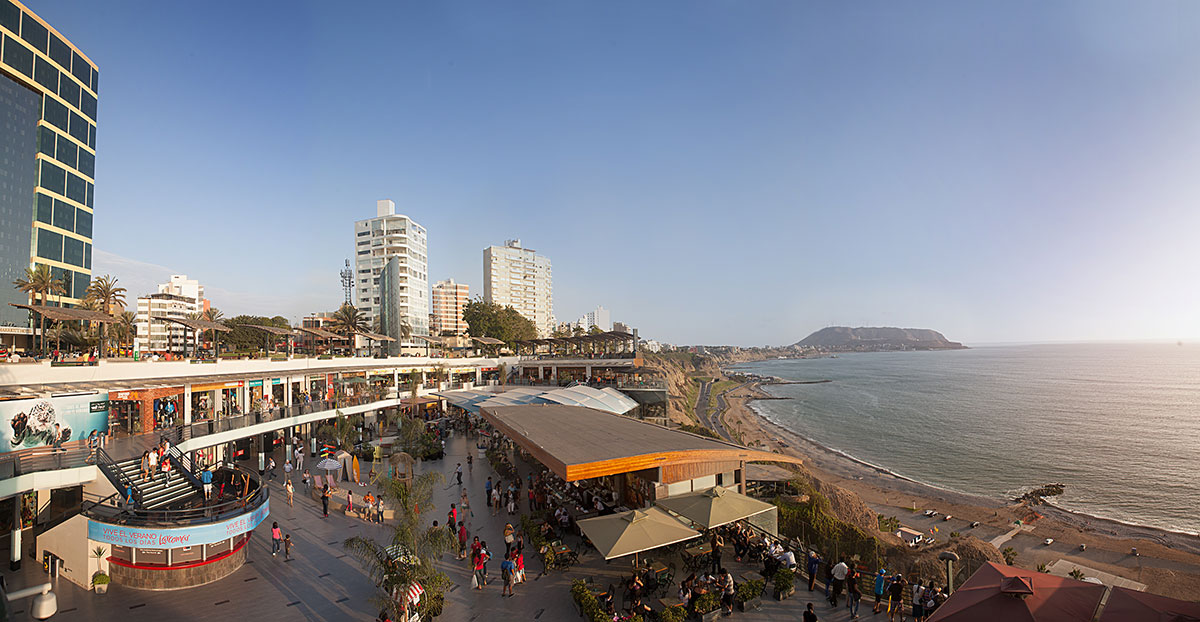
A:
(323, 583)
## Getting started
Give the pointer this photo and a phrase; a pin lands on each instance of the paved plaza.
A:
(322, 582)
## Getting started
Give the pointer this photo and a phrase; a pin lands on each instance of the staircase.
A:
(156, 494)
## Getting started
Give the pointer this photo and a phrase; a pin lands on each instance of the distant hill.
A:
(869, 339)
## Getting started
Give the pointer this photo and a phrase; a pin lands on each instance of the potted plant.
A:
(100, 579)
(707, 607)
(673, 614)
(784, 583)
(748, 594)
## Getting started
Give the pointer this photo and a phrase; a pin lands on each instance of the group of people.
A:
(893, 593)
(720, 582)
(156, 460)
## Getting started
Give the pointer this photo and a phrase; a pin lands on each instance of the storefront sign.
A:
(142, 538)
(255, 383)
(216, 385)
(30, 423)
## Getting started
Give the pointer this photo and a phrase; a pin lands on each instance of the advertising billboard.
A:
(168, 538)
(30, 422)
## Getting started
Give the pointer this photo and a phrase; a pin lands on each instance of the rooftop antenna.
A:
(347, 281)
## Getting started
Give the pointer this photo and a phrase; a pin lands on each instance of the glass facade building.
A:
(46, 193)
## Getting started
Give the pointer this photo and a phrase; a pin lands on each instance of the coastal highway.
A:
(714, 423)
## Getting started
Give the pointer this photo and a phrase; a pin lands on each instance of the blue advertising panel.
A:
(168, 538)
(30, 422)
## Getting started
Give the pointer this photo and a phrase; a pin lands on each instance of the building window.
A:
(83, 223)
(87, 163)
(45, 209)
(53, 112)
(64, 215)
(67, 153)
(87, 103)
(79, 128)
(46, 140)
(76, 188)
(18, 56)
(10, 16)
(35, 33)
(49, 245)
(53, 177)
(80, 68)
(60, 52)
(73, 252)
(45, 74)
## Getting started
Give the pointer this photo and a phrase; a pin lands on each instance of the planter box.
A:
(784, 595)
(101, 588)
(754, 604)
(712, 616)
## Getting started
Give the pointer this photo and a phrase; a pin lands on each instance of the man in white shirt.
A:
(839, 580)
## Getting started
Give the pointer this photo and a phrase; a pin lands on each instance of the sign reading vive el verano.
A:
(169, 538)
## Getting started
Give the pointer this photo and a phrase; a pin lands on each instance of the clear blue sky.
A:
(712, 172)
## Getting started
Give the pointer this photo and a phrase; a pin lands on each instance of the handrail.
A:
(199, 515)
(185, 466)
(117, 477)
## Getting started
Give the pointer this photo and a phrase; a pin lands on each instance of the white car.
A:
(1048, 541)
(974, 524)
(947, 517)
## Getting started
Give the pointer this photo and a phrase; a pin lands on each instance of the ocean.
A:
(1119, 424)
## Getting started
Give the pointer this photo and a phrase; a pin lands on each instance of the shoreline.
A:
(1169, 561)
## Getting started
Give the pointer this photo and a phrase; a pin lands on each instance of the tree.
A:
(39, 283)
(413, 550)
(1010, 555)
(486, 319)
(111, 297)
(348, 321)
(342, 428)
(1076, 574)
(125, 327)
(213, 314)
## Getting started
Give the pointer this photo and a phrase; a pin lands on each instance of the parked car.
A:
(974, 524)
(1048, 541)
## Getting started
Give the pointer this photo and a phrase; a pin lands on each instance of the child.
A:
(287, 547)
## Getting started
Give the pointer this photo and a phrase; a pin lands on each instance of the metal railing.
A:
(184, 465)
(117, 477)
(36, 459)
(111, 512)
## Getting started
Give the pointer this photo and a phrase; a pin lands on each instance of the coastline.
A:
(1169, 561)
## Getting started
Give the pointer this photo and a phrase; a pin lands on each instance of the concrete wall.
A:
(69, 541)
(173, 579)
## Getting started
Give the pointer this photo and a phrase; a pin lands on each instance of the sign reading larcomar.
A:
(183, 536)
(30, 422)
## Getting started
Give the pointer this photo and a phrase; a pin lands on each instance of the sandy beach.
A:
(1168, 563)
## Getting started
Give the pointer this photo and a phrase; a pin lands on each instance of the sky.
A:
(712, 172)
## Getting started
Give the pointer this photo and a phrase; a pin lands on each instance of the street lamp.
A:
(949, 557)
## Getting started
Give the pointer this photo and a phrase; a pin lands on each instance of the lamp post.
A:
(949, 557)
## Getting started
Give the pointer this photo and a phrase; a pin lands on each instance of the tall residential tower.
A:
(47, 157)
(449, 298)
(376, 240)
(520, 278)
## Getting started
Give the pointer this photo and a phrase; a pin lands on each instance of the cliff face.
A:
(837, 338)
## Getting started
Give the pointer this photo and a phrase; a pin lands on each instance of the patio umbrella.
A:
(1126, 605)
(997, 593)
(627, 533)
(327, 465)
(714, 507)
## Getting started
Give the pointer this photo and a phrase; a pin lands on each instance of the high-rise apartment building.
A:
(376, 240)
(520, 278)
(449, 298)
(47, 157)
(599, 317)
(177, 298)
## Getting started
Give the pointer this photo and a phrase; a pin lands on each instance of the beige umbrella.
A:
(714, 507)
(627, 533)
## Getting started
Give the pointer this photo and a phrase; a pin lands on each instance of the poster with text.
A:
(30, 422)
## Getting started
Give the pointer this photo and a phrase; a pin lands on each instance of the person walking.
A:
(478, 565)
(508, 538)
(495, 501)
(206, 479)
(465, 504)
(828, 577)
(809, 614)
(307, 480)
(853, 594)
(276, 538)
(918, 600)
(452, 516)
(379, 509)
(896, 597)
(508, 570)
(458, 473)
(462, 540)
(271, 468)
(814, 563)
(349, 500)
(299, 456)
(325, 499)
(166, 469)
(287, 486)
(152, 464)
(470, 462)
(287, 547)
(287, 470)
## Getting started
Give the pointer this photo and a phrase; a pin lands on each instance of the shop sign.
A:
(216, 385)
(277, 381)
(255, 383)
(30, 422)
(142, 538)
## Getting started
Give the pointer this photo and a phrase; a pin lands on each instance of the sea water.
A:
(1119, 424)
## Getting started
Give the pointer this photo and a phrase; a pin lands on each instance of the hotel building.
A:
(449, 298)
(376, 240)
(47, 157)
(178, 299)
(520, 278)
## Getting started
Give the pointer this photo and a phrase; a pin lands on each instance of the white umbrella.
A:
(329, 464)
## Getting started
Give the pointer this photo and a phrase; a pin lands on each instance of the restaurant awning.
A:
(73, 314)
(617, 535)
(581, 443)
(997, 593)
(768, 473)
(488, 341)
(274, 330)
(321, 333)
(375, 336)
(714, 507)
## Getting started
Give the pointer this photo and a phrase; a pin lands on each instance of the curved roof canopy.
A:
(607, 399)
(581, 443)
(68, 313)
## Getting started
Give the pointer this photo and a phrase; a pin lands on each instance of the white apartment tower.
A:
(178, 298)
(520, 278)
(600, 317)
(449, 298)
(376, 240)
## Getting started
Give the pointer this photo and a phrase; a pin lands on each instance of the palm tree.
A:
(1077, 574)
(213, 314)
(1010, 555)
(127, 326)
(348, 321)
(105, 290)
(411, 554)
(39, 283)
(342, 428)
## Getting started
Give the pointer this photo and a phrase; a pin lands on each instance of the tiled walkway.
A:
(324, 583)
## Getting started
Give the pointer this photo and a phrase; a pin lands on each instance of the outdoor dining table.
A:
(657, 568)
(667, 602)
(693, 557)
(751, 576)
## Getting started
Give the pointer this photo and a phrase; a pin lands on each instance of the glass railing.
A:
(111, 510)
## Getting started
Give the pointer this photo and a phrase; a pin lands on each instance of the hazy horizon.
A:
(712, 173)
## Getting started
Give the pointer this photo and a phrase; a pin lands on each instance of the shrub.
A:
(673, 614)
(705, 603)
(749, 590)
(100, 579)
(784, 580)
